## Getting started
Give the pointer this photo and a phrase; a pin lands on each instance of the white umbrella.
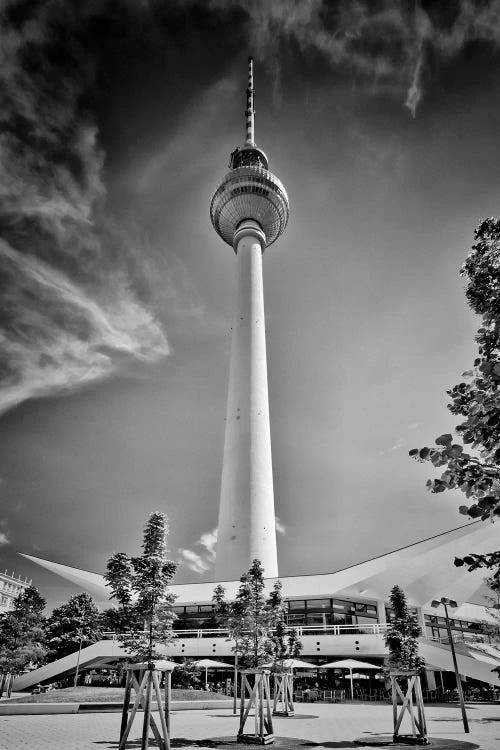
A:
(350, 664)
(211, 664)
(298, 664)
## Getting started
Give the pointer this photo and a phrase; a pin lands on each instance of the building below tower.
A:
(10, 588)
(343, 614)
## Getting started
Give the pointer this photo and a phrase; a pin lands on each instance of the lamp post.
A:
(450, 603)
(80, 635)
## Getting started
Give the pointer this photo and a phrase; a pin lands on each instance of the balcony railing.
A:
(467, 638)
(301, 630)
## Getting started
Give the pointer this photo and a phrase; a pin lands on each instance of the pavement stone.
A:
(318, 725)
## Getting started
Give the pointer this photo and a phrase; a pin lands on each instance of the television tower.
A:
(249, 210)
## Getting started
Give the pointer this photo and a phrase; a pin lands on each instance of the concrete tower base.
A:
(247, 528)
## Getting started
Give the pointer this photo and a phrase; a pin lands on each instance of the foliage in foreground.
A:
(475, 471)
(22, 633)
(140, 585)
(401, 637)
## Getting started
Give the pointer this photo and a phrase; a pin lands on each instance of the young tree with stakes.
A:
(476, 400)
(250, 620)
(405, 666)
(402, 635)
(285, 646)
(140, 585)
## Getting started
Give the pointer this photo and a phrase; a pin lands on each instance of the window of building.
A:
(314, 604)
(299, 619)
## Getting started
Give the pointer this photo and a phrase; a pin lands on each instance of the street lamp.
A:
(450, 603)
(80, 635)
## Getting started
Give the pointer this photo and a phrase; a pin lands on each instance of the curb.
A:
(38, 709)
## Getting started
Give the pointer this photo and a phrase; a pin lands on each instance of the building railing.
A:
(467, 638)
(301, 630)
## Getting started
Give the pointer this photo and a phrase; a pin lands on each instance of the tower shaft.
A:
(246, 512)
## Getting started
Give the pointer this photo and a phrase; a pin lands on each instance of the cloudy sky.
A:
(117, 119)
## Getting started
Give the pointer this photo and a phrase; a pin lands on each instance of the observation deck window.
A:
(248, 158)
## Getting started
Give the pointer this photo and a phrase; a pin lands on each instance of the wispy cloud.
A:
(194, 561)
(200, 562)
(175, 156)
(397, 445)
(76, 294)
(400, 442)
(4, 538)
(209, 542)
(280, 527)
(379, 47)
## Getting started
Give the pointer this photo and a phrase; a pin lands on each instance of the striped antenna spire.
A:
(250, 112)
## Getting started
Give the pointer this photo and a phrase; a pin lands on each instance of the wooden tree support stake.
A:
(413, 691)
(283, 694)
(144, 679)
(260, 699)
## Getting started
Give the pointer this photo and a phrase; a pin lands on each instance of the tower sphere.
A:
(249, 191)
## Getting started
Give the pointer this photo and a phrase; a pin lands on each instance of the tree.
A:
(186, 674)
(118, 576)
(77, 621)
(285, 643)
(141, 583)
(22, 632)
(405, 666)
(146, 578)
(119, 620)
(401, 637)
(250, 618)
(476, 471)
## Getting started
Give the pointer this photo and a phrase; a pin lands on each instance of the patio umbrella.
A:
(211, 664)
(298, 664)
(350, 664)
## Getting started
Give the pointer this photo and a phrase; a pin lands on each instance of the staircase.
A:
(96, 655)
(472, 661)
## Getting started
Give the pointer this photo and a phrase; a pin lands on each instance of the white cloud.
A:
(4, 539)
(200, 562)
(71, 337)
(397, 445)
(280, 526)
(194, 561)
(209, 541)
(414, 93)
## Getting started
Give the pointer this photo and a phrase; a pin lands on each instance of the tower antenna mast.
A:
(250, 111)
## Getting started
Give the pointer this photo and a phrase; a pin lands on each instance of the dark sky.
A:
(117, 119)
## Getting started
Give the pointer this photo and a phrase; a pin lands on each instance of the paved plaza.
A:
(317, 725)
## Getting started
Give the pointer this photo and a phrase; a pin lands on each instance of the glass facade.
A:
(318, 612)
(330, 612)
(435, 627)
(325, 612)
